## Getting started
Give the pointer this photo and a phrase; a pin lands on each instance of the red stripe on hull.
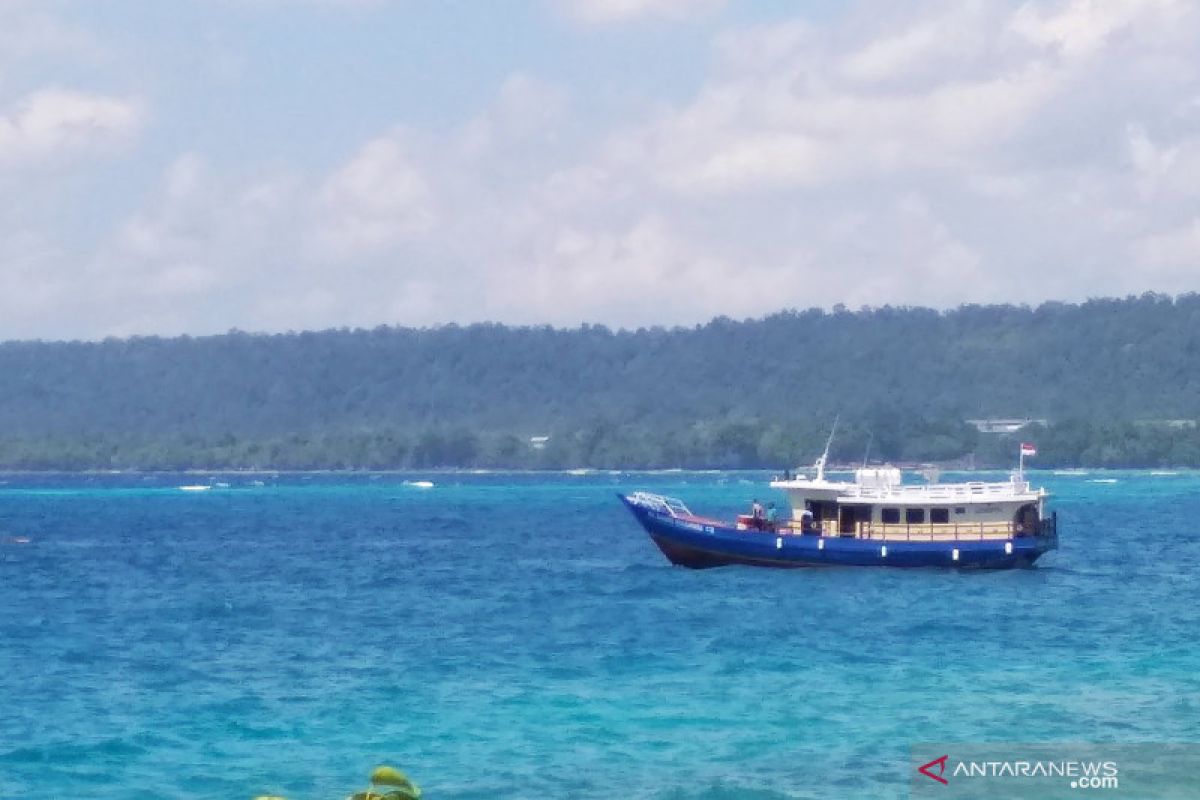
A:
(695, 558)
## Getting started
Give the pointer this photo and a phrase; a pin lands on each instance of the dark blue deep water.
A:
(516, 635)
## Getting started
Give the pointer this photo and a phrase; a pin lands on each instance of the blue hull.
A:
(699, 545)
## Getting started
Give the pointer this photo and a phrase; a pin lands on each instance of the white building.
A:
(1003, 425)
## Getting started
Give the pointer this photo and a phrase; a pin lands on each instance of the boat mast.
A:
(825, 455)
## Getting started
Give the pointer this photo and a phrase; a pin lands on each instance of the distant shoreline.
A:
(1105, 383)
(576, 471)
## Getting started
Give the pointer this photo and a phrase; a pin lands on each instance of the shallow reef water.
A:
(517, 635)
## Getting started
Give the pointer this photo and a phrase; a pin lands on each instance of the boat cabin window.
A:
(960, 509)
(939, 515)
(914, 516)
(889, 516)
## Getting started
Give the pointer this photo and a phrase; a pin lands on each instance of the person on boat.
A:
(756, 515)
(806, 522)
(772, 518)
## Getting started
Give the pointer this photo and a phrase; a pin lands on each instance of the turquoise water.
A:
(515, 635)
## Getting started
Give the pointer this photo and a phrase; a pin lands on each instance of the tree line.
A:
(1117, 382)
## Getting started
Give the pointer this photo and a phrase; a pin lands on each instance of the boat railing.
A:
(933, 532)
(941, 491)
(672, 506)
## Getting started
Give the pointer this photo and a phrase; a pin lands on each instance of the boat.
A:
(875, 520)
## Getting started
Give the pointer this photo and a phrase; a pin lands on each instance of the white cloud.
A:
(1080, 28)
(200, 255)
(1012, 144)
(1175, 248)
(789, 111)
(376, 200)
(272, 249)
(887, 57)
(270, 4)
(53, 125)
(33, 282)
(606, 12)
(1164, 170)
(930, 154)
(29, 31)
(526, 110)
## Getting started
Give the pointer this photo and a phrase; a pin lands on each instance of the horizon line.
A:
(837, 309)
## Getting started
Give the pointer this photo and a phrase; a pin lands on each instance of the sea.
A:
(517, 635)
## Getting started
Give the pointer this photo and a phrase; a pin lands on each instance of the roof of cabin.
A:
(878, 489)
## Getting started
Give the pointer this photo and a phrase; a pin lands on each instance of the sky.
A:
(195, 166)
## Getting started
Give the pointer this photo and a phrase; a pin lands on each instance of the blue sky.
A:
(200, 165)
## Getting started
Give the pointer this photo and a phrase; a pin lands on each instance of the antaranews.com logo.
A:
(1081, 774)
(1046, 771)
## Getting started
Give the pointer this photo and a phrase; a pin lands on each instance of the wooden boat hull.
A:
(700, 543)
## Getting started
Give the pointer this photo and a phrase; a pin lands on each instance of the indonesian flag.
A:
(1027, 449)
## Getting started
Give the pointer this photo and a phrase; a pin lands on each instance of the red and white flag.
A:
(1027, 449)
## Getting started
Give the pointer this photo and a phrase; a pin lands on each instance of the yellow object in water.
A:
(404, 789)
(384, 775)
(390, 776)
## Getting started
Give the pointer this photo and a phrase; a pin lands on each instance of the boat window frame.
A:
(914, 515)
(936, 512)
(889, 511)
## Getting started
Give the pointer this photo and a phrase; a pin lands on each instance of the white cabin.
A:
(879, 505)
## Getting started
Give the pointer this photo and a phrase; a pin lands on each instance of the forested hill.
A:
(1105, 373)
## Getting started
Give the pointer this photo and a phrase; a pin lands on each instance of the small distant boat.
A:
(199, 487)
(876, 520)
(419, 484)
